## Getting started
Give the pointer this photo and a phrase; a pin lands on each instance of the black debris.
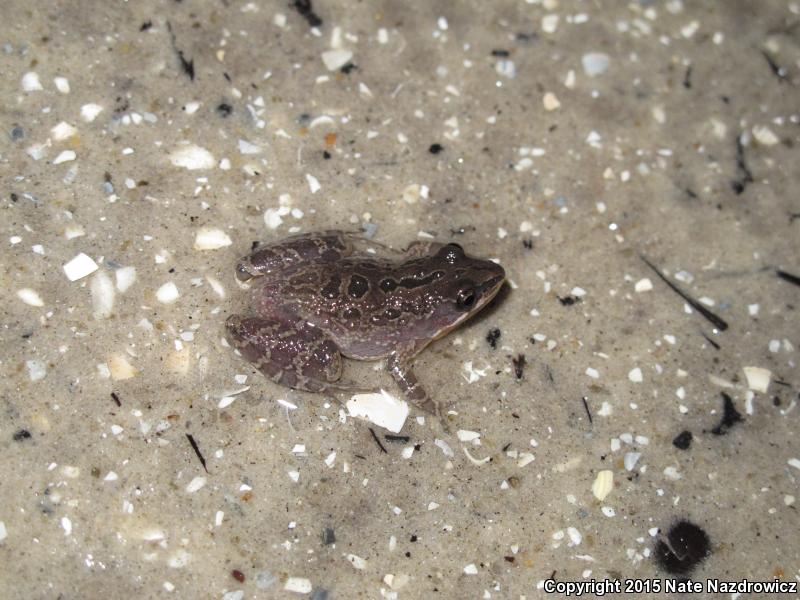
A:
(186, 65)
(710, 341)
(745, 175)
(146, 25)
(348, 68)
(435, 148)
(682, 549)
(17, 133)
(588, 412)
(399, 439)
(326, 155)
(377, 441)
(500, 53)
(22, 434)
(328, 536)
(307, 12)
(493, 336)
(224, 109)
(687, 78)
(519, 365)
(777, 70)
(683, 440)
(714, 319)
(730, 416)
(196, 449)
(794, 279)
(116, 399)
(568, 300)
(528, 244)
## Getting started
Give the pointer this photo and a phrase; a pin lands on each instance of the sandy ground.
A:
(610, 419)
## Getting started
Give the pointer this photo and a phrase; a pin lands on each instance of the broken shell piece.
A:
(382, 409)
(757, 378)
(120, 368)
(211, 238)
(603, 484)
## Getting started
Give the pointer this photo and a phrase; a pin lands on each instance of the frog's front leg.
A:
(323, 246)
(295, 355)
(399, 365)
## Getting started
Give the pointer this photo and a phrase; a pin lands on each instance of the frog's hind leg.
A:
(300, 356)
(399, 365)
(271, 259)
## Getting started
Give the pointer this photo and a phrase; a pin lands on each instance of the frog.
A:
(319, 297)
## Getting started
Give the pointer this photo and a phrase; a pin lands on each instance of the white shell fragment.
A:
(167, 293)
(63, 131)
(65, 156)
(357, 562)
(31, 82)
(102, 295)
(192, 157)
(211, 238)
(298, 585)
(595, 63)
(195, 484)
(382, 409)
(30, 297)
(603, 484)
(120, 368)
(36, 369)
(336, 59)
(125, 277)
(89, 112)
(79, 267)
(758, 378)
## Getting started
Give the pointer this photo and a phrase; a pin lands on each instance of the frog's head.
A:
(462, 285)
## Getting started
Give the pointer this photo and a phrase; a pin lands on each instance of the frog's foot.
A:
(404, 375)
(297, 357)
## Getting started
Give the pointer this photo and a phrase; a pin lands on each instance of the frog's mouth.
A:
(485, 293)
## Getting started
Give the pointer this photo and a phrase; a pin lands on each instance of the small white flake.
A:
(294, 475)
(195, 484)
(444, 447)
(466, 435)
(248, 148)
(595, 63)
(30, 297)
(65, 156)
(233, 595)
(672, 473)
(102, 295)
(630, 460)
(111, 476)
(167, 293)
(125, 277)
(211, 238)
(330, 460)
(36, 369)
(79, 267)
(794, 462)
(62, 84)
(272, 218)
(3, 531)
(758, 378)
(66, 524)
(603, 484)
(336, 59)
(575, 536)
(299, 449)
(608, 511)
(313, 183)
(471, 569)
(593, 373)
(506, 68)
(643, 285)
(63, 131)
(382, 409)
(550, 101)
(192, 157)
(550, 23)
(298, 585)
(635, 375)
(89, 112)
(31, 82)
(765, 136)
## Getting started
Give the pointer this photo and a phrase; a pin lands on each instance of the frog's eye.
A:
(466, 299)
(452, 252)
